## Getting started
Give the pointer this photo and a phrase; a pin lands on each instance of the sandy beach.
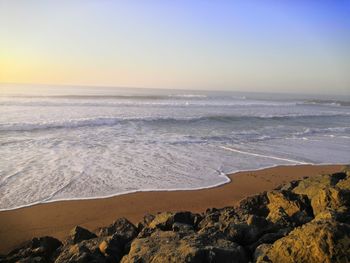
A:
(58, 218)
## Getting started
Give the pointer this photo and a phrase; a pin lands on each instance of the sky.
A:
(276, 46)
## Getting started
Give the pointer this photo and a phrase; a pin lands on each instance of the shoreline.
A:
(57, 218)
(226, 176)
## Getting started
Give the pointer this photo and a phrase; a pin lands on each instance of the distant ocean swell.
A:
(110, 121)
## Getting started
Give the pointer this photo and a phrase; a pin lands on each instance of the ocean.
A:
(97, 142)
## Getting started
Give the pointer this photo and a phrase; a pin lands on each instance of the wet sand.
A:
(58, 218)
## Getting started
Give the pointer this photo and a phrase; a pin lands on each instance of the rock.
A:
(238, 231)
(41, 249)
(344, 183)
(224, 216)
(168, 246)
(256, 205)
(269, 238)
(114, 248)
(288, 208)
(316, 241)
(263, 228)
(146, 232)
(260, 251)
(165, 220)
(47, 245)
(331, 199)
(237, 227)
(85, 251)
(187, 218)
(183, 228)
(242, 233)
(258, 221)
(79, 234)
(310, 186)
(145, 222)
(288, 186)
(346, 170)
(329, 195)
(122, 227)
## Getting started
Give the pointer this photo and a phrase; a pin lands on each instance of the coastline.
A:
(59, 217)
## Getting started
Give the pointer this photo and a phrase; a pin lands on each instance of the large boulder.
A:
(168, 246)
(79, 234)
(317, 241)
(288, 208)
(329, 195)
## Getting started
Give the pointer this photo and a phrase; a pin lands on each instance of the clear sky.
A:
(284, 46)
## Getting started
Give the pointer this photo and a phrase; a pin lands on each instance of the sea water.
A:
(78, 143)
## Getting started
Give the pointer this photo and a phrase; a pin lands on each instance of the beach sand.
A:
(58, 218)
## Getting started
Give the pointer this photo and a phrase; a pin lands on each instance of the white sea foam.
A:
(81, 147)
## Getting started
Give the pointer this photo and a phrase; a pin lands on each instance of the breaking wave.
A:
(111, 121)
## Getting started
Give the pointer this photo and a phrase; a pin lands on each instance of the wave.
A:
(187, 96)
(311, 131)
(111, 121)
(327, 102)
(165, 102)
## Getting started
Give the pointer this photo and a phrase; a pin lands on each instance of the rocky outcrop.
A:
(329, 195)
(302, 221)
(318, 241)
(169, 246)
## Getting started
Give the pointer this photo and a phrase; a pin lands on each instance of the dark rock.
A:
(288, 186)
(269, 238)
(79, 234)
(85, 251)
(145, 222)
(165, 220)
(119, 235)
(41, 249)
(122, 227)
(145, 232)
(255, 205)
(187, 218)
(183, 228)
(114, 248)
